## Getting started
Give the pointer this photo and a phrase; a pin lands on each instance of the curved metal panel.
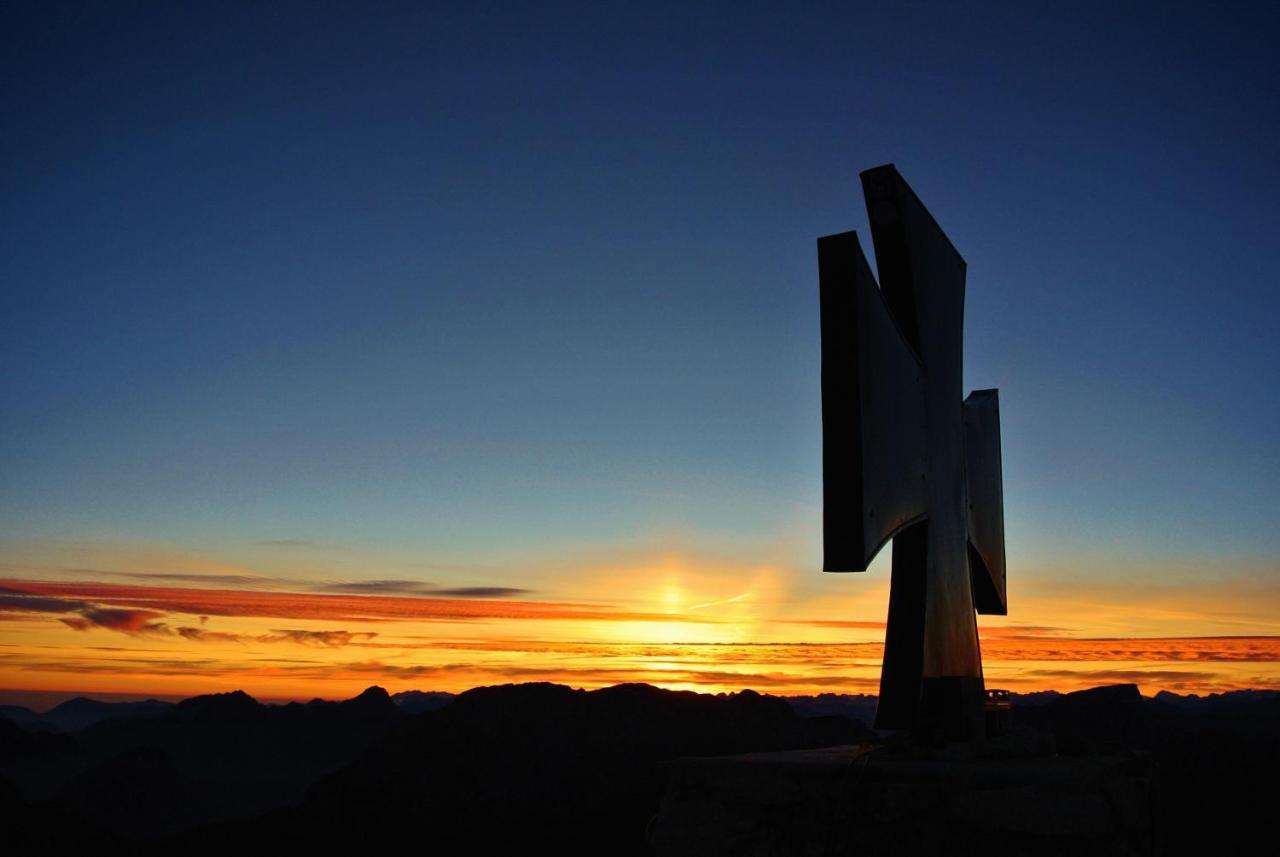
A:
(873, 439)
(986, 501)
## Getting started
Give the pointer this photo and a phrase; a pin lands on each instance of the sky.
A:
(439, 345)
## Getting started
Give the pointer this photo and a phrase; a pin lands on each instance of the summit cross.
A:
(905, 458)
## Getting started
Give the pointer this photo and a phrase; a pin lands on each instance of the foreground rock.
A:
(847, 801)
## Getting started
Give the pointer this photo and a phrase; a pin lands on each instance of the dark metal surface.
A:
(896, 462)
(873, 398)
(986, 501)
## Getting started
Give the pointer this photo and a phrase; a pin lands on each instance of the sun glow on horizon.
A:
(679, 620)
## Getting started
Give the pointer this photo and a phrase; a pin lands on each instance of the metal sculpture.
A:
(905, 458)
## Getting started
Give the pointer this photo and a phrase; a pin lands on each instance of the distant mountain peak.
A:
(418, 701)
(1108, 693)
(373, 697)
(233, 703)
(77, 704)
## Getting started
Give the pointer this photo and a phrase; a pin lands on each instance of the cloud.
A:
(421, 588)
(834, 623)
(484, 592)
(1020, 631)
(1122, 676)
(202, 635)
(381, 587)
(115, 667)
(119, 619)
(139, 610)
(86, 614)
(989, 632)
(12, 600)
(234, 579)
(179, 576)
(1165, 649)
(776, 667)
(328, 639)
(317, 638)
(337, 608)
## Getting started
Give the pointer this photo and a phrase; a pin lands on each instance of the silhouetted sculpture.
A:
(905, 459)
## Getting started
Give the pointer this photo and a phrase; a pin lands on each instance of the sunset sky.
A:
(434, 346)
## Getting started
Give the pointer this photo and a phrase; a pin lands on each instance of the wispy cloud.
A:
(203, 635)
(478, 606)
(584, 677)
(483, 592)
(84, 614)
(322, 639)
(834, 623)
(183, 577)
(1168, 649)
(176, 576)
(122, 666)
(380, 587)
(734, 600)
(329, 639)
(421, 588)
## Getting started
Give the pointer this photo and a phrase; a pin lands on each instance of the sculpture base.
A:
(850, 801)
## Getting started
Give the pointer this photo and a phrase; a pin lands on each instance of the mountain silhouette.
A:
(236, 706)
(418, 701)
(230, 755)
(1099, 720)
(538, 766)
(82, 712)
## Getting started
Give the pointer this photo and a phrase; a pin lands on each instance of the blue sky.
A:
(494, 280)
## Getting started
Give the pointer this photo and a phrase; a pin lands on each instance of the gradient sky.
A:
(513, 307)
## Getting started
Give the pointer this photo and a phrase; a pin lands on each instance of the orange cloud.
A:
(326, 607)
(672, 620)
(1256, 649)
(789, 668)
(118, 619)
(328, 639)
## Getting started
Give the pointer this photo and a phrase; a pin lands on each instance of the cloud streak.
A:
(16, 601)
(327, 639)
(312, 637)
(177, 576)
(379, 587)
(86, 615)
(319, 639)
(124, 620)
(421, 588)
(483, 592)
(334, 607)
